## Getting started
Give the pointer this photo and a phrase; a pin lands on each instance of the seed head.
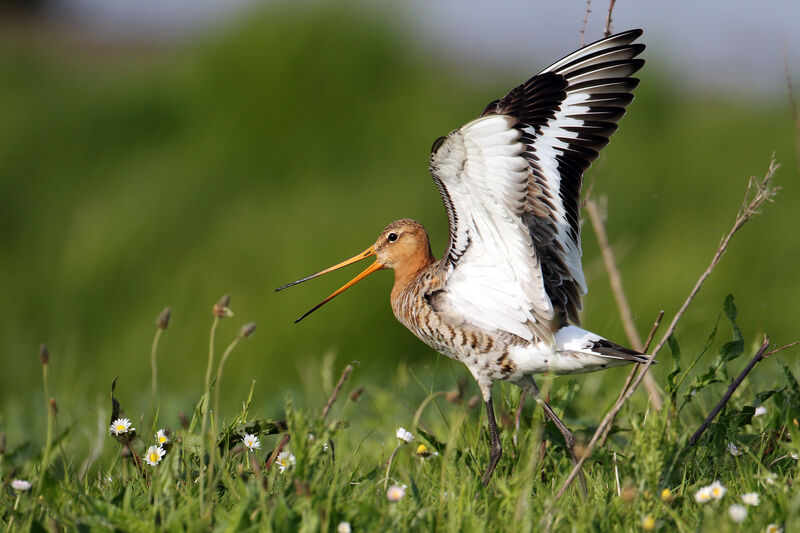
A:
(163, 319)
(356, 394)
(474, 401)
(44, 354)
(457, 396)
(53, 406)
(222, 308)
(184, 420)
(247, 330)
(453, 396)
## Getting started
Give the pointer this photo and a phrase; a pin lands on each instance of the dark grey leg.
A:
(569, 438)
(496, 449)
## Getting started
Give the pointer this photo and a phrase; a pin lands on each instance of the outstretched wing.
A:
(511, 181)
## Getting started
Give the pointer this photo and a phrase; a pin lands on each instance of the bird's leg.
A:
(496, 449)
(569, 438)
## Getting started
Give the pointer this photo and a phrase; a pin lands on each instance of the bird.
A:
(504, 298)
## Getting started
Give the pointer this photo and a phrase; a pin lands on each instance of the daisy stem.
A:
(389, 465)
(204, 437)
(154, 383)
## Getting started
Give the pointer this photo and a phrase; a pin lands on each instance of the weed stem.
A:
(153, 369)
(207, 390)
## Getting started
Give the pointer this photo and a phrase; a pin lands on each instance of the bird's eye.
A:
(391, 237)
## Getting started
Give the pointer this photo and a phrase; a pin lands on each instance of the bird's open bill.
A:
(369, 270)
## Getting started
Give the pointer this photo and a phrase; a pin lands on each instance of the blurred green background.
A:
(135, 179)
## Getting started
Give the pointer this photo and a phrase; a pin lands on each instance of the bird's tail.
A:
(575, 339)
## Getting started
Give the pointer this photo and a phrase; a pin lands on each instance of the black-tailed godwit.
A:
(504, 298)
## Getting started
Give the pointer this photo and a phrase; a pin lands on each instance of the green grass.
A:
(283, 145)
(344, 472)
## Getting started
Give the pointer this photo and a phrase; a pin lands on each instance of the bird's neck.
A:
(408, 272)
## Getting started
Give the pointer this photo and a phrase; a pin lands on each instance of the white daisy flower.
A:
(154, 455)
(733, 450)
(395, 493)
(251, 442)
(344, 527)
(162, 437)
(718, 490)
(120, 426)
(20, 484)
(404, 435)
(737, 513)
(773, 528)
(760, 411)
(703, 495)
(794, 456)
(751, 498)
(285, 460)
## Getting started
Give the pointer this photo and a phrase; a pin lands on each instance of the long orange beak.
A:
(369, 270)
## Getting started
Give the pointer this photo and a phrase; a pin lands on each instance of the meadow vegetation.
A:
(133, 180)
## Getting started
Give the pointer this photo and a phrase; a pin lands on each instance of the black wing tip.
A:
(612, 349)
(635, 32)
(439, 141)
(627, 35)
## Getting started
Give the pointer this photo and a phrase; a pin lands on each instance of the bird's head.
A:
(403, 246)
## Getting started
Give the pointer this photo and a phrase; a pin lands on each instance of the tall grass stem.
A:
(218, 380)
(153, 367)
(204, 423)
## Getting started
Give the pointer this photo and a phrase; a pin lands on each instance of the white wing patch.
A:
(497, 282)
(548, 144)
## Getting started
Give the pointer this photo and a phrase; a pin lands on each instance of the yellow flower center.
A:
(120, 427)
(162, 440)
(154, 457)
